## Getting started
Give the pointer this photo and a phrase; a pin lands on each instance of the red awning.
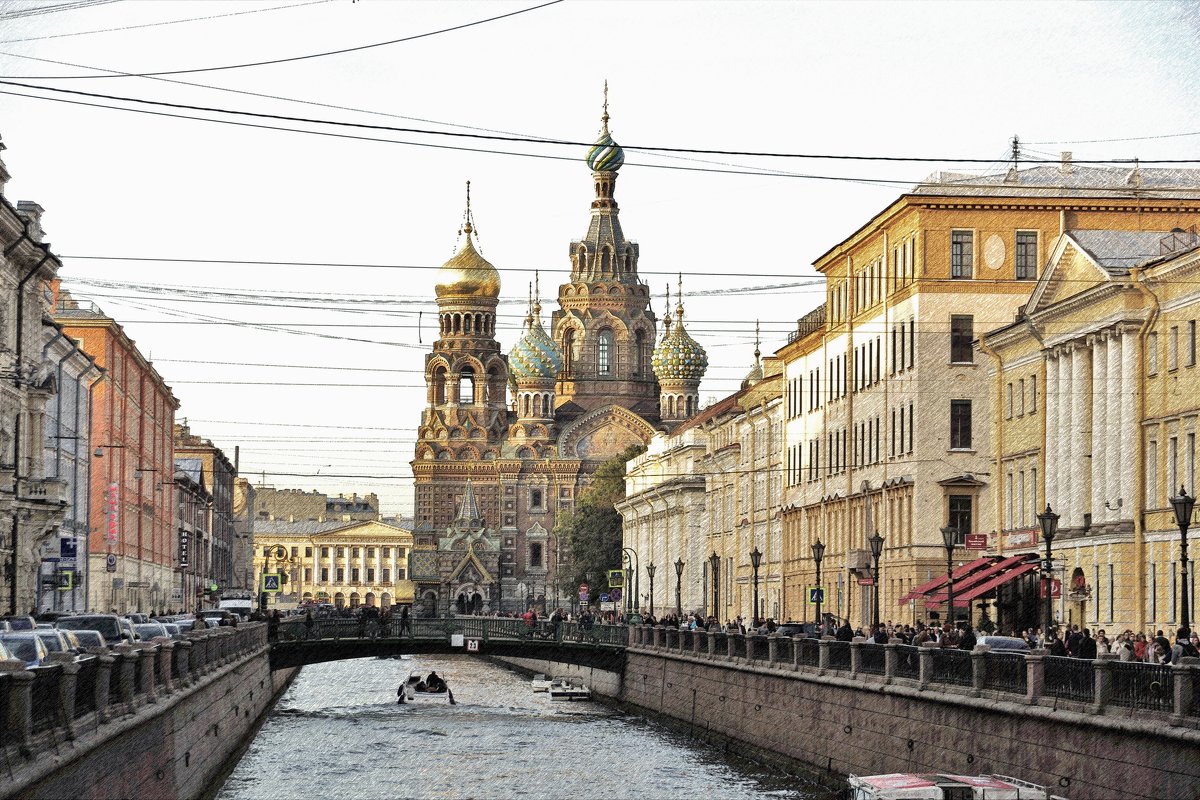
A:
(979, 576)
(987, 586)
(937, 583)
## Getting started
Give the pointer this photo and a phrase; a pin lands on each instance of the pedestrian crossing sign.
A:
(816, 595)
(616, 578)
(270, 582)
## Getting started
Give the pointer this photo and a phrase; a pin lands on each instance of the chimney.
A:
(1066, 167)
(33, 212)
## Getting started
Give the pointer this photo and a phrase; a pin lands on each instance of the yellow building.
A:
(888, 403)
(344, 563)
(1110, 332)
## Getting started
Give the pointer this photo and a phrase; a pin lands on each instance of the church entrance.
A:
(469, 603)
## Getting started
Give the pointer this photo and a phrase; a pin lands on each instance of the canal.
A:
(337, 732)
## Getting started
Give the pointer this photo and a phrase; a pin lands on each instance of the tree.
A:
(592, 533)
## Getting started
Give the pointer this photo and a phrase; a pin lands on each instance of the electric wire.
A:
(37, 11)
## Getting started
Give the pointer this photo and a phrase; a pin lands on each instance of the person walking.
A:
(405, 622)
(308, 624)
(1087, 646)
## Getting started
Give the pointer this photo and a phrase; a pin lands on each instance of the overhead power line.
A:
(14, 81)
(292, 59)
(37, 11)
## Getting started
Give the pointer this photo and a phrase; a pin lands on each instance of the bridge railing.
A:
(1031, 677)
(297, 629)
(70, 695)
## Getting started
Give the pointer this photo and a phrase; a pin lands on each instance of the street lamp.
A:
(714, 568)
(755, 560)
(818, 553)
(876, 542)
(678, 581)
(650, 571)
(1183, 518)
(632, 559)
(949, 539)
(1049, 522)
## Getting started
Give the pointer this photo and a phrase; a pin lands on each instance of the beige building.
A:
(344, 563)
(1110, 333)
(889, 405)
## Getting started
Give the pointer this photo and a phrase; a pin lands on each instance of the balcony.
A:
(48, 491)
(858, 559)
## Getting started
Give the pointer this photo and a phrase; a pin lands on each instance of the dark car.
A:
(805, 629)
(108, 625)
(20, 623)
(214, 617)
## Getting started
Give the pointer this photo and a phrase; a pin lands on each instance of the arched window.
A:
(568, 353)
(604, 352)
(466, 386)
(439, 386)
(689, 406)
(639, 345)
(526, 404)
(604, 259)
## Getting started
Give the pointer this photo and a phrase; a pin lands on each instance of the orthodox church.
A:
(506, 443)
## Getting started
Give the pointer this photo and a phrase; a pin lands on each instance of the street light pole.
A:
(755, 560)
(818, 553)
(1049, 522)
(949, 539)
(714, 568)
(678, 587)
(1183, 504)
(650, 571)
(876, 543)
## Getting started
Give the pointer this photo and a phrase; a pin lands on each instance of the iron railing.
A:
(810, 652)
(783, 649)
(1005, 672)
(1150, 686)
(839, 655)
(952, 666)
(908, 662)
(47, 709)
(85, 685)
(1070, 679)
(871, 659)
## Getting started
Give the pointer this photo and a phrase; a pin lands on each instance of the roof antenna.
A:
(1013, 175)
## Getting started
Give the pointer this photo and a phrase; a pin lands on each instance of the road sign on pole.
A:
(816, 596)
(270, 582)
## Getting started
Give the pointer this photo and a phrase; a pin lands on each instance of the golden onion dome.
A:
(468, 274)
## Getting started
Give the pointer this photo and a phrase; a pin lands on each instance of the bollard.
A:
(856, 646)
(978, 669)
(104, 668)
(1102, 669)
(1184, 674)
(891, 657)
(20, 704)
(697, 635)
(796, 647)
(926, 657)
(183, 660)
(772, 649)
(148, 653)
(730, 645)
(658, 637)
(712, 644)
(126, 657)
(1035, 675)
(823, 654)
(166, 657)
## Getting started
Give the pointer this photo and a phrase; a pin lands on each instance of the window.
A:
(1173, 348)
(962, 328)
(386, 552)
(1191, 343)
(324, 574)
(385, 575)
(1152, 354)
(1027, 255)
(341, 552)
(1151, 474)
(1172, 465)
(308, 552)
(370, 552)
(912, 342)
(1033, 503)
(1189, 464)
(400, 573)
(324, 552)
(295, 552)
(1009, 407)
(1032, 393)
(961, 253)
(370, 574)
(308, 574)
(959, 515)
(960, 424)
(341, 575)
(912, 426)
(354, 574)
(535, 554)
(466, 386)
(892, 452)
(354, 552)
(535, 498)
(1021, 401)
(604, 348)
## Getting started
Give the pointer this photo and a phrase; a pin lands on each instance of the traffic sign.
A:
(1055, 589)
(616, 578)
(110, 563)
(603, 598)
(583, 598)
(815, 595)
(66, 580)
(976, 541)
(615, 595)
(583, 588)
(472, 645)
(270, 582)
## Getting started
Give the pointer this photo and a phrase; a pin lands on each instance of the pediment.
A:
(471, 570)
(1071, 270)
(604, 433)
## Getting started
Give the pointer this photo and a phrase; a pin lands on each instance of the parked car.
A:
(173, 630)
(19, 623)
(89, 640)
(108, 625)
(25, 646)
(54, 640)
(185, 625)
(805, 629)
(137, 619)
(215, 617)
(150, 630)
(127, 626)
(1003, 642)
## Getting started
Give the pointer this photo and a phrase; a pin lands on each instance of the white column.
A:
(1112, 438)
(1063, 477)
(1081, 414)
(1129, 427)
(1050, 403)
(1099, 426)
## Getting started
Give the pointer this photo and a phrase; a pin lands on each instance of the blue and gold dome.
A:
(535, 355)
(605, 155)
(678, 356)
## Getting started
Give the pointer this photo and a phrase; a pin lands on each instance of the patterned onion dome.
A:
(605, 155)
(678, 356)
(468, 274)
(535, 355)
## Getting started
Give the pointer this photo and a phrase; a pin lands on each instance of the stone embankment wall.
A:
(851, 709)
(601, 682)
(158, 720)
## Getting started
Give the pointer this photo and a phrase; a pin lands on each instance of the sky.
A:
(279, 273)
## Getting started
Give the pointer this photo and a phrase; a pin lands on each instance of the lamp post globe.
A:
(818, 553)
(755, 561)
(876, 543)
(1049, 522)
(949, 540)
(1183, 504)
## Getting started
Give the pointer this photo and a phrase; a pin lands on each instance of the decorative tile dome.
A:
(605, 155)
(678, 356)
(535, 354)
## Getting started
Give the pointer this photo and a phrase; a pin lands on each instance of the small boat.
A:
(414, 690)
(540, 683)
(562, 688)
(909, 786)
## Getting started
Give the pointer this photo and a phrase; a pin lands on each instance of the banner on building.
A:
(184, 544)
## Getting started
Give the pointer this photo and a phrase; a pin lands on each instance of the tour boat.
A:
(540, 683)
(569, 689)
(908, 786)
(412, 694)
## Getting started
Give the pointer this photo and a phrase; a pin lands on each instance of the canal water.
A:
(338, 733)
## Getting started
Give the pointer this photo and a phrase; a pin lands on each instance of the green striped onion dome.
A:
(535, 355)
(605, 155)
(679, 357)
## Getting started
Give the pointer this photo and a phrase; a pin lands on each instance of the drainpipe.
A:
(1139, 453)
(998, 426)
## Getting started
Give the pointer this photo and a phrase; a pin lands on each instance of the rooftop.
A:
(1067, 180)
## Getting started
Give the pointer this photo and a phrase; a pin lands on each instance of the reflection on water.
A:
(338, 732)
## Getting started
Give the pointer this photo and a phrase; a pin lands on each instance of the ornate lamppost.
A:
(678, 587)
(650, 571)
(755, 560)
(632, 559)
(1049, 522)
(1183, 504)
(714, 569)
(876, 542)
(949, 539)
(818, 553)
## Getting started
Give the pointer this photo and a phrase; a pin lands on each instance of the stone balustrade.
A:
(42, 706)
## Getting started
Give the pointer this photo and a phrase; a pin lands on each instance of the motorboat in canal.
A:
(540, 683)
(909, 786)
(415, 689)
(562, 688)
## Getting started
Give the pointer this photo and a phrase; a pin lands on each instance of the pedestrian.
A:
(1087, 646)
(405, 622)
(967, 640)
(308, 624)
(273, 626)
(1183, 646)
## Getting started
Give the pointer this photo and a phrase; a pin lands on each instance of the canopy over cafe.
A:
(1007, 589)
